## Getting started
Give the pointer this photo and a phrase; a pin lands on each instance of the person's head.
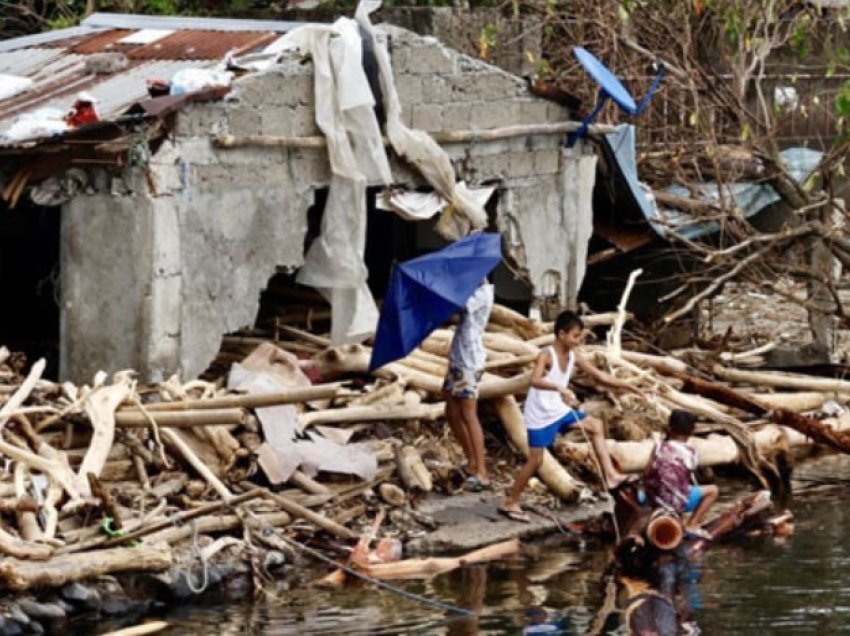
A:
(568, 328)
(681, 424)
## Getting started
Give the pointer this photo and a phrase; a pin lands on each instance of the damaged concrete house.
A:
(139, 237)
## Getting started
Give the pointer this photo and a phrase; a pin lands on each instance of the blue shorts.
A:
(543, 437)
(694, 498)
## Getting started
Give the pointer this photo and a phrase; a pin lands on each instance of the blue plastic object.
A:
(609, 87)
(424, 292)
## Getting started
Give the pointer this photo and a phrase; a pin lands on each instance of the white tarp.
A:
(345, 114)
(420, 206)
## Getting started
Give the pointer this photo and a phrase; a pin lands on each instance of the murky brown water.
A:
(798, 586)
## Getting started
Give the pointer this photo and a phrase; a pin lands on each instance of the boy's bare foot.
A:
(514, 513)
(616, 480)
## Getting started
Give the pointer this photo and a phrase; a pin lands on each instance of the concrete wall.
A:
(206, 227)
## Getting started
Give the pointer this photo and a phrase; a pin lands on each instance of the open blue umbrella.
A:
(424, 292)
(609, 87)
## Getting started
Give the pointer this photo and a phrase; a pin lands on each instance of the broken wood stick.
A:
(184, 418)
(176, 440)
(297, 510)
(22, 392)
(428, 567)
(253, 401)
(150, 627)
(176, 520)
(374, 413)
(781, 379)
(20, 576)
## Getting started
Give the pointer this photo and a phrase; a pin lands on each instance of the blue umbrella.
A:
(424, 292)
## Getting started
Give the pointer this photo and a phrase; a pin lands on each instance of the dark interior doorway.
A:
(29, 282)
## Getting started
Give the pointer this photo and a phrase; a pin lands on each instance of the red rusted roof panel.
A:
(200, 45)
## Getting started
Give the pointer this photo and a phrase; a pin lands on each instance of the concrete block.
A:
(309, 166)
(534, 111)
(490, 115)
(201, 119)
(435, 90)
(490, 167)
(304, 122)
(547, 161)
(276, 120)
(429, 60)
(427, 117)
(521, 164)
(457, 116)
(409, 88)
(243, 120)
(556, 112)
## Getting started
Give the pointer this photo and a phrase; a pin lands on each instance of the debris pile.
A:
(202, 481)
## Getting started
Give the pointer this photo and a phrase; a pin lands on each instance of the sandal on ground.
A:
(698, 533)
(515, 515)
(474, 484)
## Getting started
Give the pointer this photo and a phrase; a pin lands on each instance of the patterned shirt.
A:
(467, 351)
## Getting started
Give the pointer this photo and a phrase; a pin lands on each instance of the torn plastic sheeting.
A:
(346, 115)
(191, 80)
(44, 122)
(420, 206)
(464, 213)
(321, 454)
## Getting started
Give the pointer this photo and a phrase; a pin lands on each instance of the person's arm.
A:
(539, 381)
(605, 378)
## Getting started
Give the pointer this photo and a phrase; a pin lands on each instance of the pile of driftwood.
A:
(300, 442)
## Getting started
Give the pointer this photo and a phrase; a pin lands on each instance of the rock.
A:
(41, 611)
(392, 494)
(81, 596)
(15, 613)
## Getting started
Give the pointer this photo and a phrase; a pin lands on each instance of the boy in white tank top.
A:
(551, 408)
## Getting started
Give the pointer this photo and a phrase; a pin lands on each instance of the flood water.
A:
(800, 585)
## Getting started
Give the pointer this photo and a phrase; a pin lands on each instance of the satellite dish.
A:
(610, 87)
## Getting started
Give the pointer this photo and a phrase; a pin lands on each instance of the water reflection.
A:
(800, 586)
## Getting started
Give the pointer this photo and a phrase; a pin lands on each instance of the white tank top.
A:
(543, 408)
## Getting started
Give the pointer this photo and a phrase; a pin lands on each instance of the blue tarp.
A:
(749, 197)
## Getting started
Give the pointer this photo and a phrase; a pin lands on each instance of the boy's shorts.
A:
(694, 498)
(544, 437)
(462, 383)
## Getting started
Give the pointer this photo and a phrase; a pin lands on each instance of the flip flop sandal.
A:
(514, 515)
(473, 484)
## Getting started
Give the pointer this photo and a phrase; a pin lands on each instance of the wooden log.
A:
(808, 426)
(20, 549)
(307, 484)
(182, 418)
(22, 392)
(525, 327)
(100, 405)
(553, 474)
(19, 576)
(665, 531)
(176, 520)
(781, 379)
(292, 396)
(150, 627)
(299, 511)
(374, 413)
(428, 567)
(211, 524)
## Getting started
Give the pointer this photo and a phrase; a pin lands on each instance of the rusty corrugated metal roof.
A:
(56, 61)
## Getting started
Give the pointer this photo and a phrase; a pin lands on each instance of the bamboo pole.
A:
(293, 396)
(182, 418)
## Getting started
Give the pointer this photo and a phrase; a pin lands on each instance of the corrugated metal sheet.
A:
(56, 61)
(199, 45)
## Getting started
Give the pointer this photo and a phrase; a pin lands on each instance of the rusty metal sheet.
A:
(200, 45)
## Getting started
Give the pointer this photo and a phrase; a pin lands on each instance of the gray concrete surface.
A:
(472, 520)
